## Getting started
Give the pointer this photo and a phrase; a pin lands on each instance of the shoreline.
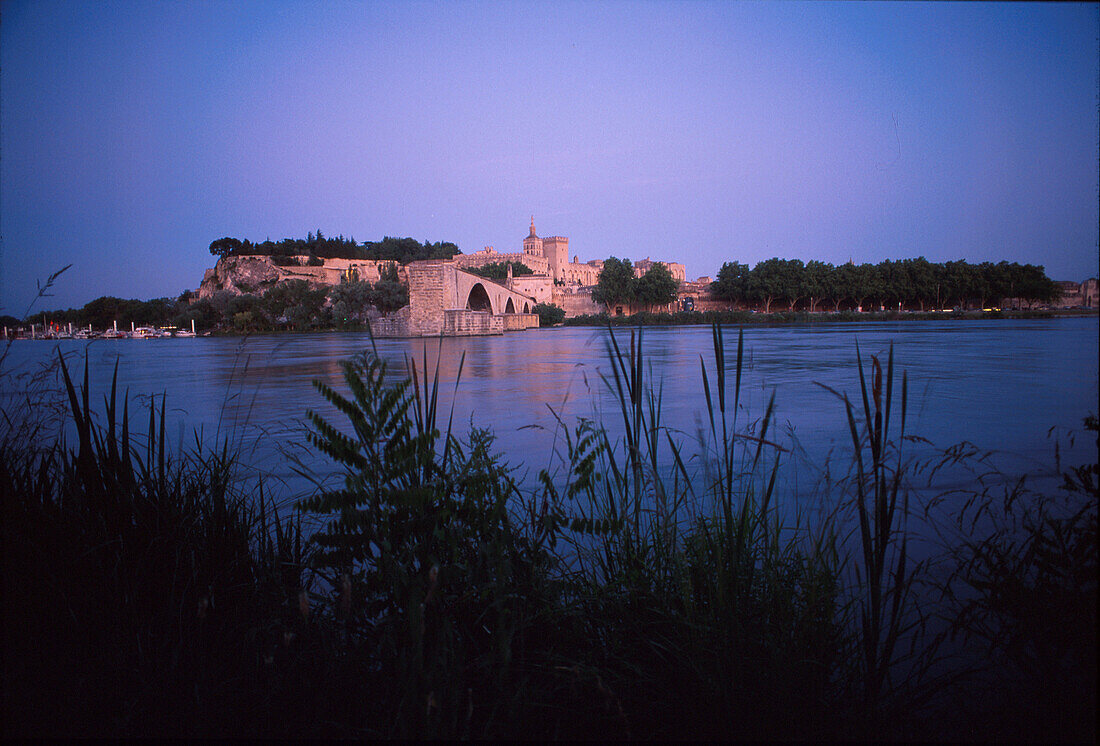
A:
(706, 318)
(696, 318)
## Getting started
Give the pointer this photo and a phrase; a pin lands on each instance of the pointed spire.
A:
(532, 234)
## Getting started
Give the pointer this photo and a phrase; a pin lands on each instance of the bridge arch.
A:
(526, 307)
(478, 299)
(509, 307)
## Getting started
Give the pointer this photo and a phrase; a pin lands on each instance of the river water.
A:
(1017, 389)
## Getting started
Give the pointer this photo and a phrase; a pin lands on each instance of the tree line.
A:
(908, 283)
(317, 246)
(617, 285)
(291, 305)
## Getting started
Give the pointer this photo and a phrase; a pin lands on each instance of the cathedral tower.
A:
(532, 244)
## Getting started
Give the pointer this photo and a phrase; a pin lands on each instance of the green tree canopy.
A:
(499, 270)
(776, 279)
(818, 282)
(225, 247)
(389, 294)
(403, 250)
(657, 287)
(897, 284)
(732, 282)
(549, 314)
(616, 283)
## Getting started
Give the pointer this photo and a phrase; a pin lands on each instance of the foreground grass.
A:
(628, 596)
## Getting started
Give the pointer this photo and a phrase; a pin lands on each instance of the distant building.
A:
(549, 257)
(675, 269)
(555, 278)
(555, 250)
(1077, 294)
(546, 257)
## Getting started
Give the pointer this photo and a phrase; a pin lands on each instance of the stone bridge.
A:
(475, 293)
(447, 301)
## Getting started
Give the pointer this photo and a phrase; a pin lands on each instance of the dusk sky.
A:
(134, 134)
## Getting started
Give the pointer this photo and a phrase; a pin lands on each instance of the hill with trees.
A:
(402, 250)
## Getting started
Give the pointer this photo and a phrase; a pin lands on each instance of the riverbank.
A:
(681, 318)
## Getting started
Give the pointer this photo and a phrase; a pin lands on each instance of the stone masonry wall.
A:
(517, 322)
(576, 301)
(538, 287)
(393, 325)
(463, 323)
(427, 281)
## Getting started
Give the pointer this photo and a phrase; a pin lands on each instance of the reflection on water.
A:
(1000, 384)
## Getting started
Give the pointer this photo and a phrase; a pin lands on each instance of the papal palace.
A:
(556, 279)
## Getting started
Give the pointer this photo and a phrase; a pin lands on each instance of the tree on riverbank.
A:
(656, 288)
(549, 314)
(617, 285)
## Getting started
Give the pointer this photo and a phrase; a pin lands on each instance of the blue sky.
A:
(134, 134)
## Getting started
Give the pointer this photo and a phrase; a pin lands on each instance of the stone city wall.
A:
(394, 325)
(576, 301)
(1077, 295)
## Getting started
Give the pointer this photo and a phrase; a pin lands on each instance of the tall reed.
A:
(885, 574)
(135, 584)
(440, 582)
(687, 573)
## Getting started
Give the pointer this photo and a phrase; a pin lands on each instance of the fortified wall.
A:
(576, 301)
(1078, 295)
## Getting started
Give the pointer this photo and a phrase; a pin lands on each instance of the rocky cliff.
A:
(257, 274)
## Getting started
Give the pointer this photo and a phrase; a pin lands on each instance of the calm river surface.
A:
(1012, 387)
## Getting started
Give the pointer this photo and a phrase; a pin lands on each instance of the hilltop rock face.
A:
(257, 274)
(240, 274)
